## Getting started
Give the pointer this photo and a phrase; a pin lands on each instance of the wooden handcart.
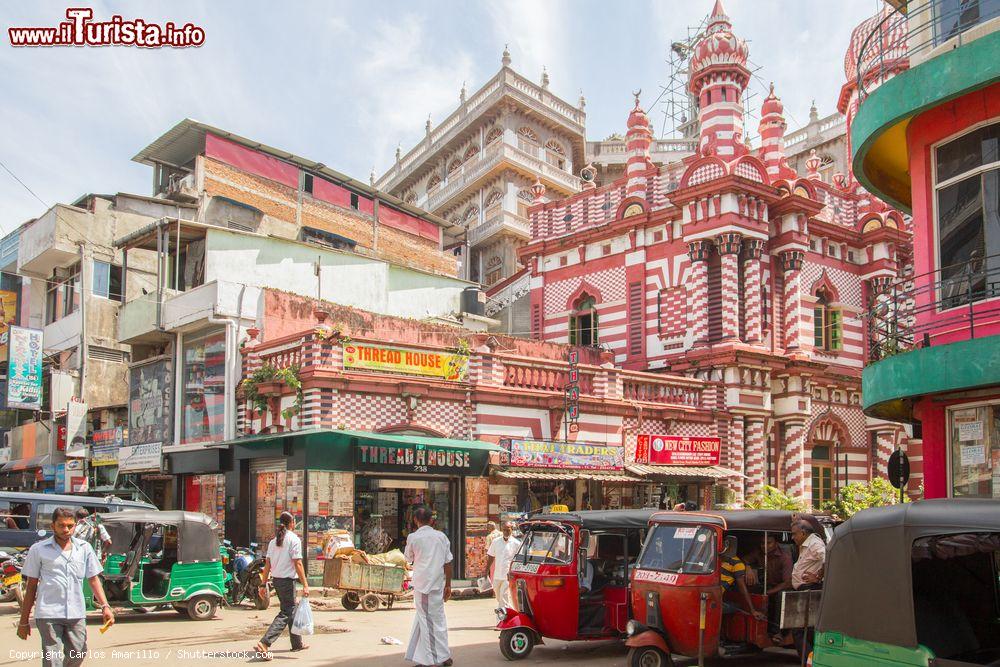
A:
(366, 585)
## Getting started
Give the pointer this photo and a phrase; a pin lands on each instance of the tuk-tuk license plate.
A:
(12, 580)
(524, 567)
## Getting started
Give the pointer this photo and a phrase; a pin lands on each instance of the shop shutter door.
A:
(267, 465)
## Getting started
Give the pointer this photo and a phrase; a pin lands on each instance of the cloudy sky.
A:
(345, 82)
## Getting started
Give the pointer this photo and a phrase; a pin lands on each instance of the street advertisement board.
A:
(140, 458)
(426, 363)
(24, 372)
(150, 418)
(677, 450)
(8, 315)
(566, 455)
(76, 429)
(106, 444)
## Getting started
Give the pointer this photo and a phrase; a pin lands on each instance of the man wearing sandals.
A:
(430, 552)
(284, 565)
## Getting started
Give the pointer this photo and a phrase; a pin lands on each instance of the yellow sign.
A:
(442, 365)
(8, 316)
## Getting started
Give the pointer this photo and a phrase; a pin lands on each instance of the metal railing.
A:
(910, 33)
(950, 302)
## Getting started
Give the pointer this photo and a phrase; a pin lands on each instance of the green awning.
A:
(338, 436)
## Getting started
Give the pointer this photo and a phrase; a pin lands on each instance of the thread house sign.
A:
(677, 450)
(426, 363)
(419, 459)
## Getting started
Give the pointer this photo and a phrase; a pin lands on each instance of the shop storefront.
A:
(974, 450)
(366, 484)
(685, 469)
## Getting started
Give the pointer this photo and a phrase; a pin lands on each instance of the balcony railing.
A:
(909, 34)
(954, 303)
(497, 223)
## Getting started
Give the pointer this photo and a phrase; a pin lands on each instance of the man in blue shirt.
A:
(55, 569)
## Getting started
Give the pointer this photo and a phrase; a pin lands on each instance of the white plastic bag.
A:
(302, 621)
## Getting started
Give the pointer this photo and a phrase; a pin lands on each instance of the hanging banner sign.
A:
(24, 381)
(442, 365)
(566, 455)
(140, 458)
(676, 450)
(8, 315)
(107, 443)
(76, 429)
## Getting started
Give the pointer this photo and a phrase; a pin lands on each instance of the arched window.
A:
(555, 154)
(470, 213)
(554, 145)
(583, 328)
(527, 141)
(828, 327)
(433, 182)
(822, 473)
(493, 198)
(471, 152)
(454, 166)
(524, 200)
(411, 198)
(494, 134)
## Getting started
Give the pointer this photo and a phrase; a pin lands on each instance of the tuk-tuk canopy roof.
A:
(779, 521)
(197, 539)
(868, 592)
(598, 519)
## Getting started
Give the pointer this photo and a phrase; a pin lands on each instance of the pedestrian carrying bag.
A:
(302, 621)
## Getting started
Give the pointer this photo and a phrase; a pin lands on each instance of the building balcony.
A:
(932, 334)
(495, 157)
(947, 49)
(52, 241)
(499, 223)
(507, 84)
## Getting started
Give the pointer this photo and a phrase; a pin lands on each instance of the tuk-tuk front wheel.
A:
(516, 643)
(202, 607)
(648, 656)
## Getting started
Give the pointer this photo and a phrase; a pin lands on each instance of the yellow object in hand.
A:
(105, 627)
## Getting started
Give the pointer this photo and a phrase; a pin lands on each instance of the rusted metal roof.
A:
(688, 472)
(569, 475)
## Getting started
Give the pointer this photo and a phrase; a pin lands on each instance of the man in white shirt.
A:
(55, 569)
(283, 564)
(90, 530)
(430, 553)
(499, 557)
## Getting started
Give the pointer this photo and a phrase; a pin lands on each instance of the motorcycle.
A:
(11, 582)
(243, 567)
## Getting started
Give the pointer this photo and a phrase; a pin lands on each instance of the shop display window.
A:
(975, 451)
(277, 492)
(384, 510)
(203, 412)
(331, 509)
(207, 494)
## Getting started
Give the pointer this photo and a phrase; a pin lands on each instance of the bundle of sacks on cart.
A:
(339, 544)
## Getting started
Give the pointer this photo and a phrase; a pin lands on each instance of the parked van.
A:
(25, 518)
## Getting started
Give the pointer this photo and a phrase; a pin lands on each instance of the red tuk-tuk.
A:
(570, 578)
(679, 606)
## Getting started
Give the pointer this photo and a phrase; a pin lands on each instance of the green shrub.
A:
(771, 498)
(862, 495)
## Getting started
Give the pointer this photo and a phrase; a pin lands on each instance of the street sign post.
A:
(898, 471)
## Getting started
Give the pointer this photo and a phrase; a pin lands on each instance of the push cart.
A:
(366, 585)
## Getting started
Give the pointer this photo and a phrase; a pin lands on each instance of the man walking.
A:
(499, 557)
(89, 529)
(55, 569)
(430, 553)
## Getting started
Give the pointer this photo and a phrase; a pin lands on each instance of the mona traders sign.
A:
(420, 459)
(677, 450)
(563, 455)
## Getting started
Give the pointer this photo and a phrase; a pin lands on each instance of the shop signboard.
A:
(76, 476)
(566, 455)
(60, 480)
(106, 444)
(420, 459)
(8, 315)
(140, 458)
(24, 371)
(149, 408)
(677, 450)
(76, 429)
(426, 363)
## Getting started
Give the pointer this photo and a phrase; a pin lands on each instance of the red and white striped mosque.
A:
(731, 267)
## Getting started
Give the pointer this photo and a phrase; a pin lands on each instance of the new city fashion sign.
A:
(419, 459)
(386, 359)
(677, 450)
(566, 455)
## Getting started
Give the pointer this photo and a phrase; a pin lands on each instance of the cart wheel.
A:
(369, 602)
(516, 643)
(202, 607)
(350, 601)
(648, 656)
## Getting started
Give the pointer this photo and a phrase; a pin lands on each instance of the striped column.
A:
(884, 448)
(755, 457)
(798, 483)
(753, 305)
(638, 137)
(792, 264)
(736, 457)
(698, 292)
(729, 249)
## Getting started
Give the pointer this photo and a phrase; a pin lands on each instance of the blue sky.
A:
(345, 82)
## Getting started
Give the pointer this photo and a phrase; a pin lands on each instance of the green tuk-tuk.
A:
(163, 558)
(913, 584)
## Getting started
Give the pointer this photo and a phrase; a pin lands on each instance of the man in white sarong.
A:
(498, 559)
(430, 553)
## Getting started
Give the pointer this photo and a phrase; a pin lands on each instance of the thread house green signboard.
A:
(415, 459)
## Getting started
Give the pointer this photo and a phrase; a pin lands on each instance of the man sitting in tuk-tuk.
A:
(733, 572)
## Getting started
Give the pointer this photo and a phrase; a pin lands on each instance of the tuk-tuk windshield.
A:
(682, 549)
(546, 546)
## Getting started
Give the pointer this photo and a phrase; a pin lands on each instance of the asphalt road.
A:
(343, 638)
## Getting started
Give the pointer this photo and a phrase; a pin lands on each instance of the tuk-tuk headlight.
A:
(633, 627)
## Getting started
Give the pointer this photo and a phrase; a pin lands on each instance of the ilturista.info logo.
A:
(80, 29)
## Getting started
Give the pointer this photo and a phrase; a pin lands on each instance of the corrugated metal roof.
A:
(690, 472)
(569, 475)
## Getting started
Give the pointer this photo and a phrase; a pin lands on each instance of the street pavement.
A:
(343, 638)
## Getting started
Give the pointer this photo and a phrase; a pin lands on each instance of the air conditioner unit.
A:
(181, 187)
